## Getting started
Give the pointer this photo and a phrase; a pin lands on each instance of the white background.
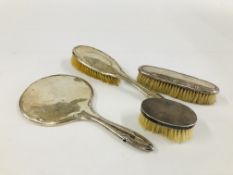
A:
(190, 36)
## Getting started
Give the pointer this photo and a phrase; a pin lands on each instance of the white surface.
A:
(190, 36)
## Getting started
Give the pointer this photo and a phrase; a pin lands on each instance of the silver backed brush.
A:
(177, 85)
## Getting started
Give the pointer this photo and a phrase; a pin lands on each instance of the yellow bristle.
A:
(177, 135)
(176, 91)
(105, 78)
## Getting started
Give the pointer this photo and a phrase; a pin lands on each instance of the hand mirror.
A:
(58, 99)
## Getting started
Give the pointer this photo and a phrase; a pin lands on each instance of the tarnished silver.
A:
(167, 113)
(179, 79)
(106, 65)
(58, 99)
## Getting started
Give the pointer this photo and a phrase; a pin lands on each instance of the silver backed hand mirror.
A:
(58, 99)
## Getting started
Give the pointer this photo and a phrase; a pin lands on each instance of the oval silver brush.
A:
(177, 85)
(172, 120)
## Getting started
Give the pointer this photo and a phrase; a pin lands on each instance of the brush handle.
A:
(139, 87)
(125, 134)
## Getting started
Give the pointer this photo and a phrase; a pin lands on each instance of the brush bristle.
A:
(177, 135)
(105, 78)
(176, 91)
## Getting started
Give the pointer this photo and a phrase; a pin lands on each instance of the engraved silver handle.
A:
(126, 135)
(139, 87)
